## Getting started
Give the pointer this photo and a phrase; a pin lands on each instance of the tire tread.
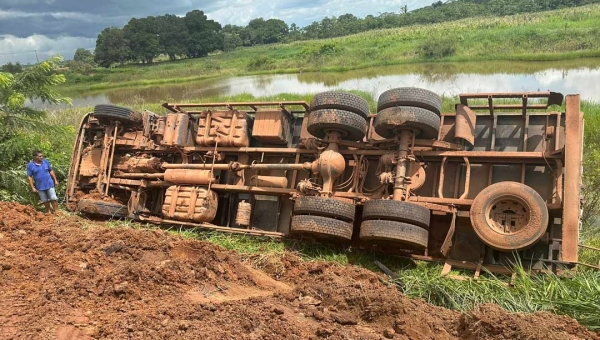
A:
(381, 230)
(321, 226)
(324, 206)
(410, 96)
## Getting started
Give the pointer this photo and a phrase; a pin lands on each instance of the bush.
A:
(82, 67)
(437, 48)
(312, 53)
(261, 63)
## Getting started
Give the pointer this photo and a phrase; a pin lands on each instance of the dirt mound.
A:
(68, 278)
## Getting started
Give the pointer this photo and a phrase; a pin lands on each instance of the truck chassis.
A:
(499, 176)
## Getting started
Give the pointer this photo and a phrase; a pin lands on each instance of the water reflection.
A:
(574, 76)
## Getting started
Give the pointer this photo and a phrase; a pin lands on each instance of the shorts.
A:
(47, 195)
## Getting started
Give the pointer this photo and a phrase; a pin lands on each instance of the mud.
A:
(66, 277)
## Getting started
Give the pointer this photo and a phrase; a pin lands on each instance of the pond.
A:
(572, 76)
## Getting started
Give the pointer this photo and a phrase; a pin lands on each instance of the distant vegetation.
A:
(193, 36)
(12, 68)
(552, 35)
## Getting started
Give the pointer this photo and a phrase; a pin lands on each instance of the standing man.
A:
(40, 171)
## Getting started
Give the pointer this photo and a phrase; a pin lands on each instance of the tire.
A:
(506, 201)
(352, 126)
(102, 208)
(398, 211)
(321, 227)
(410, 96)
(425, 122)
(108, 113)
(324, 206)
(394, 232)
(340, 100)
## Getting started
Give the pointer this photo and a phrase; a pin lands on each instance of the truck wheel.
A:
(324, 206)
(108, 113)
(509, 216)
(102, 208)
(410, 96)
(390, 120)
(321, 227)
(352, 126)
(398, 211)
(340, 100)
(394, 232)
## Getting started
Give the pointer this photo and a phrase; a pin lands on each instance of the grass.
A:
(554, 35)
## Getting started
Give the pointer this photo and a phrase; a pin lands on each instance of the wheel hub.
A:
(508, 215)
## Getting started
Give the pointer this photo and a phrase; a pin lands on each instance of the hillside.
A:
(552, 35)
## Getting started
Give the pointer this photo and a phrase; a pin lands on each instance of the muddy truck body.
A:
(499, 176)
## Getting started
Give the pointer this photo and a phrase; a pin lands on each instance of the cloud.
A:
(51, 23)
(23, 49)
(85, 17)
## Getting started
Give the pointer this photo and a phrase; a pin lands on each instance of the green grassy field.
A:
(554, 35)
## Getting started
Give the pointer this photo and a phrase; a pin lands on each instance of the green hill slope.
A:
(552, 35)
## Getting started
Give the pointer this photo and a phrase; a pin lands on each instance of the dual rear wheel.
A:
(404, 108)
(383, 221)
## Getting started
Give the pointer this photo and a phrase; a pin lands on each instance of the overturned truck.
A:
(499, 176)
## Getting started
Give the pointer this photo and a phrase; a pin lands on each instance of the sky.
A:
(61, 26)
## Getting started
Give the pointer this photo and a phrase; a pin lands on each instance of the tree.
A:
(173, 35)
(12, 68)
(83, 55)
(231, 41)
(267, 31)
(205, 35)
(143, 38)
(234, 36)
(21, 127)
(295, 33)
(111, 47)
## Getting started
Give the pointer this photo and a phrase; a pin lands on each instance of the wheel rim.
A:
(508, 215)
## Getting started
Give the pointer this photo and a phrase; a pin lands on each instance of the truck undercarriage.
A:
(499, 176)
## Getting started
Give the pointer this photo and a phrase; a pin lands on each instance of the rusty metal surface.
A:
(176, 130)
(230, 149)
(269, 181)
(191, 204)
(553, 98)
(76, 160)
(572, 178)
(272, 126)
(136, 164)
(183, 176)
(464, 127)
(175, 107)
(224, 128)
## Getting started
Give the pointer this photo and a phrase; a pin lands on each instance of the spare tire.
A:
(509, 216)
(410, 96)
(340, 100)
(102, 208)
(108, 113)
(352, 126)
(424, 122)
